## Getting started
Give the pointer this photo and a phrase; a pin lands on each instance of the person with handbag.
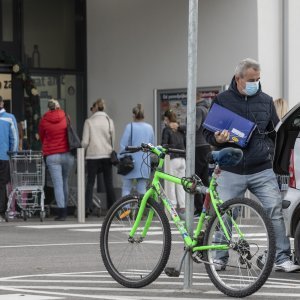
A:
(98, 140)
(56, 150)
(135, 133)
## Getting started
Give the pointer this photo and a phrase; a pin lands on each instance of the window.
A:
(6, 20)
(49, 33)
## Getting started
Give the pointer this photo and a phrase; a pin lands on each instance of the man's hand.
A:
(222, 136)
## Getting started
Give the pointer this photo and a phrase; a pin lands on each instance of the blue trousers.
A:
(265, 187)
(59, 166)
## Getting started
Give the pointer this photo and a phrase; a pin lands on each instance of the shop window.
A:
(6, 20)
(5, 90)
(49, 34)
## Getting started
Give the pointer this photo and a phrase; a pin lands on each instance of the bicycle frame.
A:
(156, 191)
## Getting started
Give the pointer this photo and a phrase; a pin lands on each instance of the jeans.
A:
(265, 187)
(59, 166)
(141, 184)
(95, 166)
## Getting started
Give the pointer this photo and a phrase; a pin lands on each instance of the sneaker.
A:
(2, 219)
(219, 264)
(288, 266)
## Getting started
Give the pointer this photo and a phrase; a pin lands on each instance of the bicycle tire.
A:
(244, 271)
(134, 264)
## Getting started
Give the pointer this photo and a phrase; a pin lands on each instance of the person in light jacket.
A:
(9, 142)
(136, 133)
(98, 140)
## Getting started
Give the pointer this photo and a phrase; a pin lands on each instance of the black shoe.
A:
(60, 218)
(61, 214)
(197, 213)
(88, 212)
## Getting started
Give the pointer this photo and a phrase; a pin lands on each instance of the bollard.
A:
(81, 186)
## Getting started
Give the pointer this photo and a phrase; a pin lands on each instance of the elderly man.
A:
(246, 98)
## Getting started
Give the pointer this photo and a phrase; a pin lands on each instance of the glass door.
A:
(5, 91)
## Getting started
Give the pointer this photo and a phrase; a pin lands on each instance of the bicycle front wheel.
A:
(242, 269)
(135, 261)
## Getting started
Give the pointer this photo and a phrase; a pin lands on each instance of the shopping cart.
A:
(27, 172)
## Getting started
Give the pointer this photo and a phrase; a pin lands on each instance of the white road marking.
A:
(175, 284)
(28, 297)
(47, 245)
(59, 226)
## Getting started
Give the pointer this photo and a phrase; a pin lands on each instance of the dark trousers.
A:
(95, 166)
(4, 179)
(201, 169)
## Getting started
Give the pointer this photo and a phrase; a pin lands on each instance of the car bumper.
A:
(291, 200)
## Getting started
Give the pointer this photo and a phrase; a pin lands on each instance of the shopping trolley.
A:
(27, 172)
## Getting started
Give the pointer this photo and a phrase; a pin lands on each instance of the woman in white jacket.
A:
(98, 140)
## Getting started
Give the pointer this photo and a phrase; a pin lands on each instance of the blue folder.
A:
(240, 129)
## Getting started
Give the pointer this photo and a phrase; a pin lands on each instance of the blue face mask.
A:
(251, 87)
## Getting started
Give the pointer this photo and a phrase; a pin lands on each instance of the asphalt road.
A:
(61, 260)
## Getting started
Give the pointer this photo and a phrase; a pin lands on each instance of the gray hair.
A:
(53, 104)
(245, 64)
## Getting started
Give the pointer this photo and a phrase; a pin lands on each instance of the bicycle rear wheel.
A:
(138, 261)
(245, 267)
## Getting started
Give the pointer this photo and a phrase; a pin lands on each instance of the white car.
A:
(287, 166)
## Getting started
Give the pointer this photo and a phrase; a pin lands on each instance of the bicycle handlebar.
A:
(226, 157)
(149, 147)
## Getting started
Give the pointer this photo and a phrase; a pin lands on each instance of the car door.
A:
(287, 132)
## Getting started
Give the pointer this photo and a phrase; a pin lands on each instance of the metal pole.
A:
(80, 185)
(191, 127)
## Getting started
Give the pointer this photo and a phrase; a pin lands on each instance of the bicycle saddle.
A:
(226, 157)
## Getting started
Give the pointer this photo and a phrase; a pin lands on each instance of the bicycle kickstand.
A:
(175, 272)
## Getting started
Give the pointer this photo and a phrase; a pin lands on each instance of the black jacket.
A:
(202, 108)
(174, 139)
(260, 109)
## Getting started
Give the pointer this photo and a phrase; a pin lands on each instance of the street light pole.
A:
(190, 133)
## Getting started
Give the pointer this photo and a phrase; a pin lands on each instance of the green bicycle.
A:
(135, 239)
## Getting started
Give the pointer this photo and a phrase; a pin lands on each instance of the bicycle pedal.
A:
(172, 272)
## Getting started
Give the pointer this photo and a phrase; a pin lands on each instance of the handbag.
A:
(113, 156)
(126, 163)
(73, 139)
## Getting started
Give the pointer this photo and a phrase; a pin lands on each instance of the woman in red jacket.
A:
(55, 147)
